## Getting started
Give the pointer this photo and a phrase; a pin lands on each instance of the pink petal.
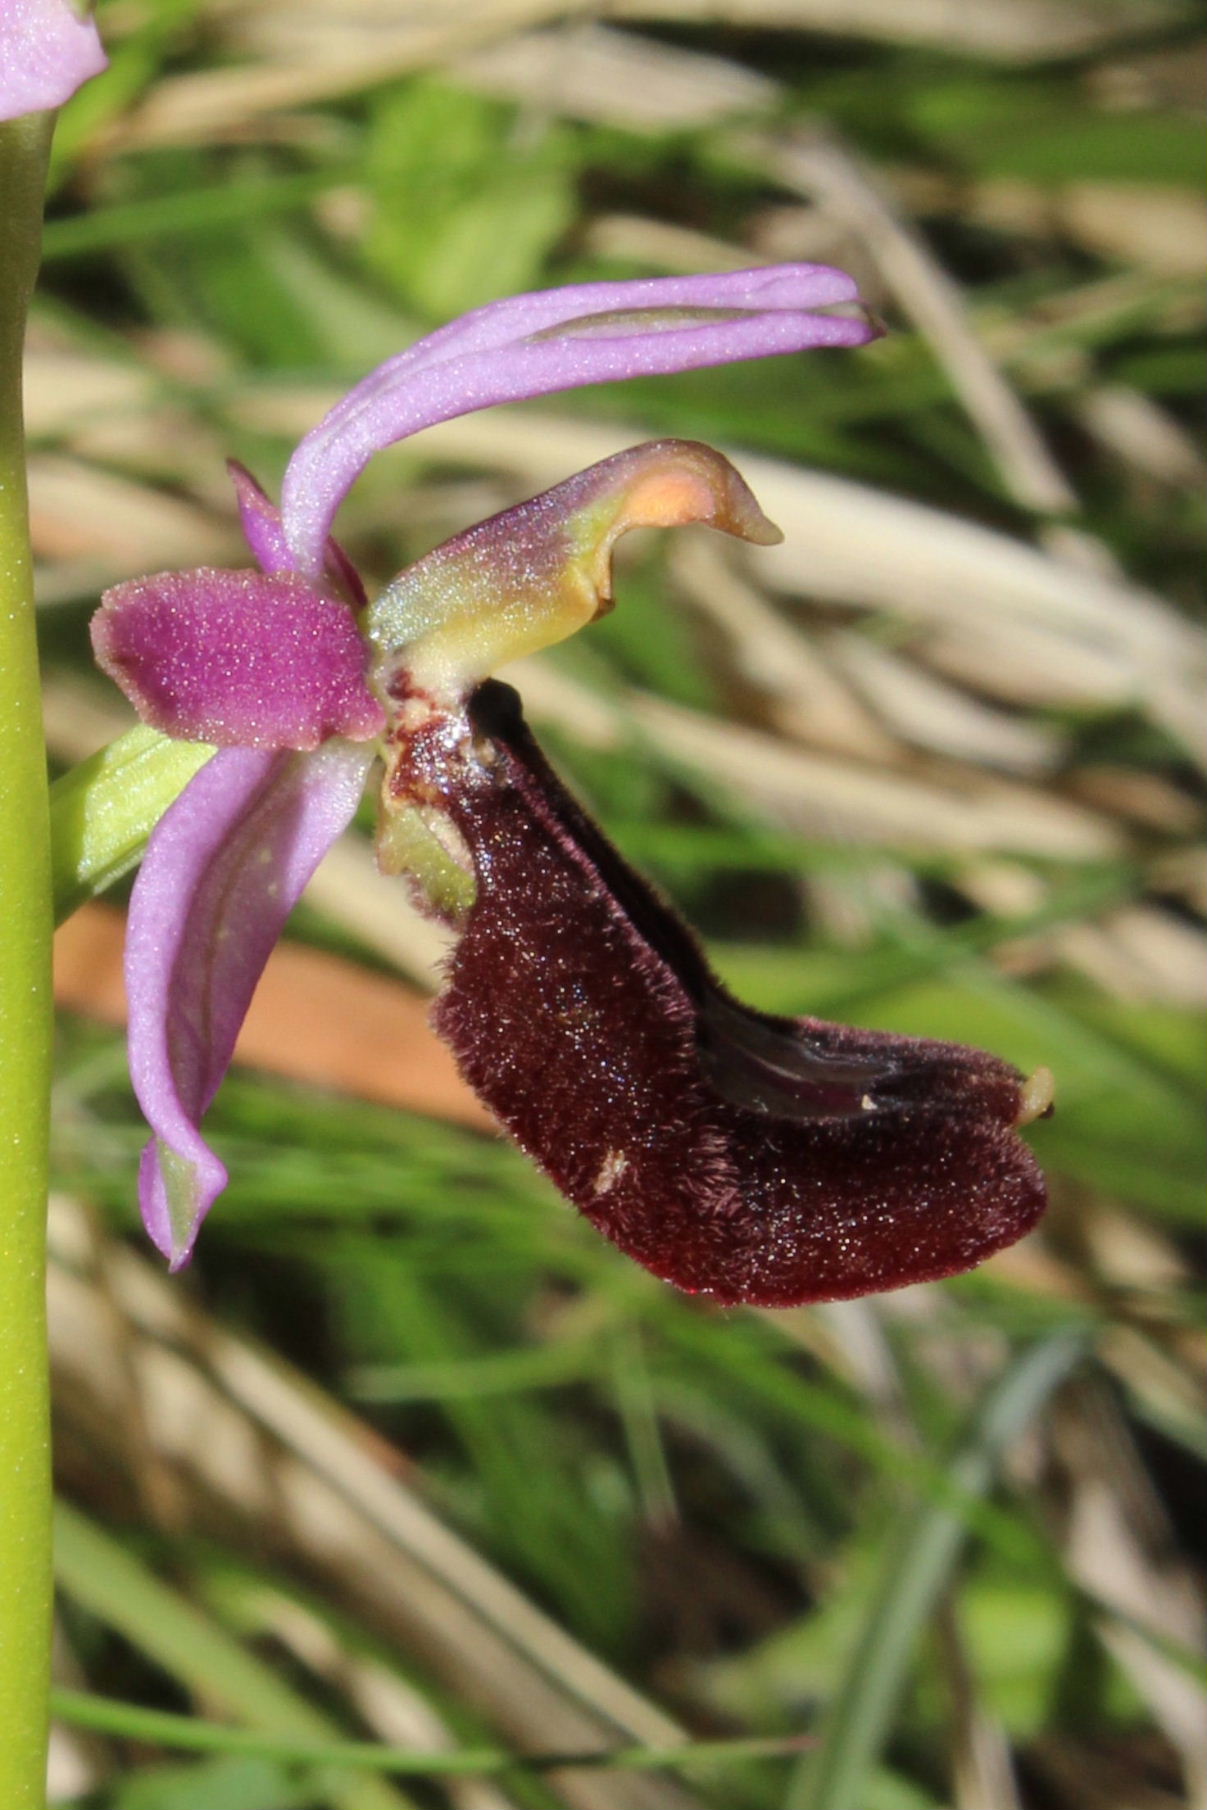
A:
(265, 536)
(261, 520)
(46, 52)
(222, 871)
(237, 658)
(558, 339)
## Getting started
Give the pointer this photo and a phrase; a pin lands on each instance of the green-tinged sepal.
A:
(531, 576)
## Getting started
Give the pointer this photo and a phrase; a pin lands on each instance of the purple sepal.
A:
(223, 869)
(241, 659)
(558, 339)
(46, 52)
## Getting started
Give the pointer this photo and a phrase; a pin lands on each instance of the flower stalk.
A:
(25, 1027)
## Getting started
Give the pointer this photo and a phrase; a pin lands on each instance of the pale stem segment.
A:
(25, 1029)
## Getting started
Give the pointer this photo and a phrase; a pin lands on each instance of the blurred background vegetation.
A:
(410, 1457)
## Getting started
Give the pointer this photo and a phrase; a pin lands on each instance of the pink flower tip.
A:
(47, 51)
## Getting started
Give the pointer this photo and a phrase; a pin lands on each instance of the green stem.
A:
(25, 1028)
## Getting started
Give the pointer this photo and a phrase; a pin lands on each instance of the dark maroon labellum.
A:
(735, 1154)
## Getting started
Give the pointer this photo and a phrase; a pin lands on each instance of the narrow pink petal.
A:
(533, 345)
(46, 52)
(237, 658)
(261, 520)
(222, 871)
(266, 537)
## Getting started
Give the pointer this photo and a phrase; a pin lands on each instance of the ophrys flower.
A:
(753, 1158)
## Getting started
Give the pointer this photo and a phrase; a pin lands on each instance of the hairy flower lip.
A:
(795, 1068)
(731, 1153)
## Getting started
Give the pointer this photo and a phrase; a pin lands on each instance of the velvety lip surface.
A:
(746, 1157)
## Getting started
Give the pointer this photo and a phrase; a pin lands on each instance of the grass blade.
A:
(918, 1567)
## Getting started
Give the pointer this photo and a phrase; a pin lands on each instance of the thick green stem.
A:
(25, 1030)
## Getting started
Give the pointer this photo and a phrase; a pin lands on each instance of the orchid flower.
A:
(47, 51)
(743, 1156)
